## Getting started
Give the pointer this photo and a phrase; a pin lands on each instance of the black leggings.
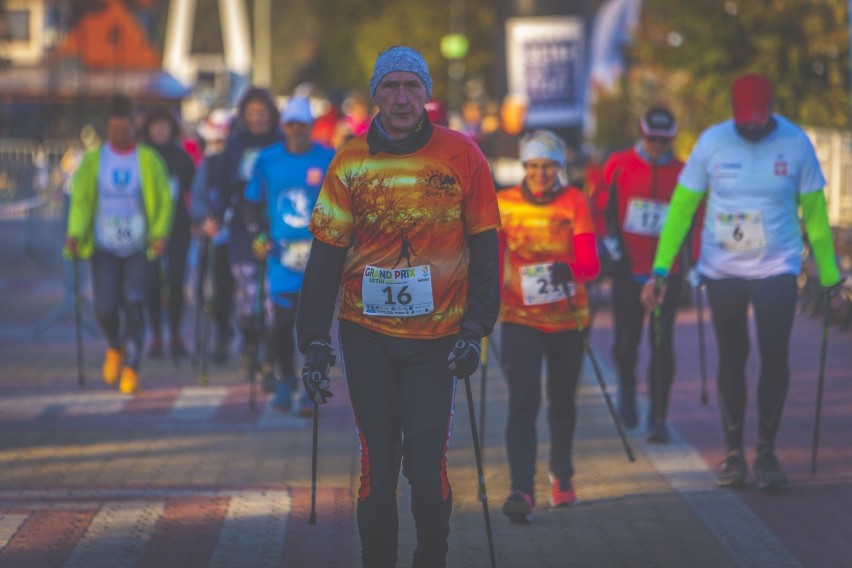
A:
(119, 290)
(175, 259)
(402, 396)
(281, 341)
(774, 302)
(523, 349)
(629, 318)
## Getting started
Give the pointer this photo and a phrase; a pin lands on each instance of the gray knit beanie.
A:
(400, 58)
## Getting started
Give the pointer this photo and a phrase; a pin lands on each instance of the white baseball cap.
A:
(298, 110)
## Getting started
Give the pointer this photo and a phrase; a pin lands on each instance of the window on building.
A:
(17, 25)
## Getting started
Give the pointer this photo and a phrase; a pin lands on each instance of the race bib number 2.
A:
(537, 288)
(397, 292)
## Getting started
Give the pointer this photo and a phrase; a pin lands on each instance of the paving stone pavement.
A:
(187, 475)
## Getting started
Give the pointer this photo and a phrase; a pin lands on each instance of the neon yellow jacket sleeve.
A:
(682, 208)
(815, 218)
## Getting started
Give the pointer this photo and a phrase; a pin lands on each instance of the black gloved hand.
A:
(319, 359)
(830, 292)
(561, 274)
(464, 357)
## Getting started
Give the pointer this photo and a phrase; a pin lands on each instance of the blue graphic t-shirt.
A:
(120, 223)
(288, 184)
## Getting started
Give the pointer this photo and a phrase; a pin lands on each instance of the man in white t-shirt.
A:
(755, 171)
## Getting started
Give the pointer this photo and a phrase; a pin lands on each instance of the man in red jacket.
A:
(641, 181)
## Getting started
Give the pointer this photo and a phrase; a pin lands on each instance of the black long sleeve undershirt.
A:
(483, 293)
(319, 293)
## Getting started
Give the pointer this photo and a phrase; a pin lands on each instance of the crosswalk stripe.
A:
(253, 531)
(9, 525)
(117, 536)
(32, 406)
(197, 403)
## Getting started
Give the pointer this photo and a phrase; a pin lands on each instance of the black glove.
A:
(561, 274)
(319, 359)
(464, 357)
(830, 292)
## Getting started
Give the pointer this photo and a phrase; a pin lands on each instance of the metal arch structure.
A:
(233, 18)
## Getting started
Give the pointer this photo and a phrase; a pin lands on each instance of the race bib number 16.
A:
(399, 292)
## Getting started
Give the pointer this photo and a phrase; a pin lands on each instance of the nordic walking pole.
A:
(696, 281)
(658, 351)
(199, 300)
(820, 380)
(598, 374)
(702, 355)
(312, 518)
(78, 321)
(206, 323)
(483, 365)
(483, 496)
(258, 315)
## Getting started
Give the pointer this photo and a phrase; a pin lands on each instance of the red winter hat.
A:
(752, 99)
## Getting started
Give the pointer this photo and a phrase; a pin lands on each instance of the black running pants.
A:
(774, 303)
(523, 349)
(401, 393)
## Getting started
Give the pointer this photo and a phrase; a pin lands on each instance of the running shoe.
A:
(306, 406)
(733, 474)
(283, 400)
(112, 366)
(767, 471)
(658, 432)
(562, 492)
(518, 507)
(627, 412)
(129, 381)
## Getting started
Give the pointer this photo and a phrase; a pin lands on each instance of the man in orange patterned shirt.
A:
(405, 190)
(547, 247)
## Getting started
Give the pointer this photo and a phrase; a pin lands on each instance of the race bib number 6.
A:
(398, 292)
(740, 231)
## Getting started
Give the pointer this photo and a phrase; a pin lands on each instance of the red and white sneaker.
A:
(562, 492)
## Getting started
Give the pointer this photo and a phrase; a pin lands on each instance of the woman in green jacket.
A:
(120, 215)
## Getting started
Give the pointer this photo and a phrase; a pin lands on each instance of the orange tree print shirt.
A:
(397, 212)
(539, 234)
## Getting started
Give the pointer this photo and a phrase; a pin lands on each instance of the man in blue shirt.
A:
(280, 198)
